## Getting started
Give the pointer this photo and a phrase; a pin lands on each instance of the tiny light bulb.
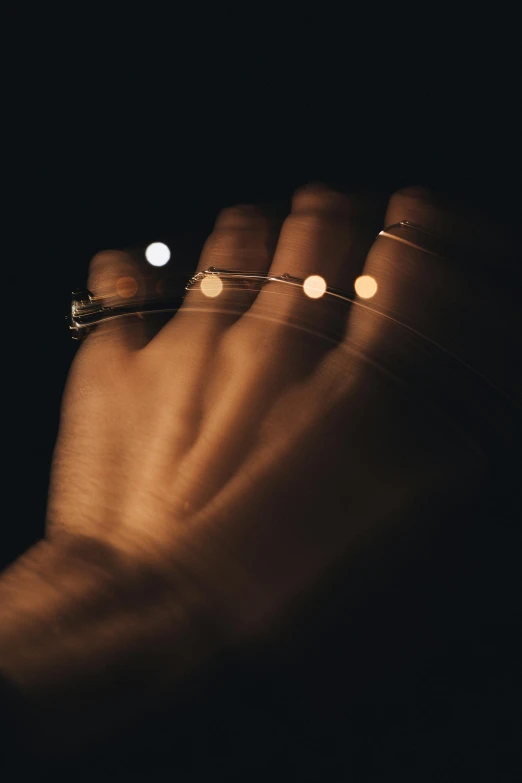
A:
(365, 286)
(157, 254)
(314, 286)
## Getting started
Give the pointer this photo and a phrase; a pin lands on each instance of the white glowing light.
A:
(157, 254)
(211, 286)
(314, 286)
(365, 286)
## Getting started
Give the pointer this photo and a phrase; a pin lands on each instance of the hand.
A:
(229, 458)
(222, 419)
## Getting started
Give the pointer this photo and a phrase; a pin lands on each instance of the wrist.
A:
(88, 638)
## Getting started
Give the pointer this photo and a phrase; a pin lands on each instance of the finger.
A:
(451, 219)
(324, 241)
(243, 239)
(442, 297)
(259, 355)
(115, 278)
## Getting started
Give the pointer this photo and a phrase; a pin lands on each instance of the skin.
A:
(211, 469)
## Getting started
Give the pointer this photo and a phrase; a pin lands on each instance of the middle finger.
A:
(324, 242)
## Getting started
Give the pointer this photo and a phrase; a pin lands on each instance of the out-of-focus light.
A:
(314, 286)
(365, 286)
(211, 286)
(157, 254)
(126, 287)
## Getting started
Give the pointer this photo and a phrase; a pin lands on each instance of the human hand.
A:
(234, 457)
(162, 437)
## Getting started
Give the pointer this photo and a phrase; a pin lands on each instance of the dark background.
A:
(112, 143)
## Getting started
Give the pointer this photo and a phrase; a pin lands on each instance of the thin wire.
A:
(84, 322)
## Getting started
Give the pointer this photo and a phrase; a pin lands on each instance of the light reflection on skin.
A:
(126, 287)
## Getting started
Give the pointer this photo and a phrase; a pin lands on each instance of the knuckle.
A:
(239, 216)
(223, 248)
(220, 243)
(306, 224)
(243, 230)
(115, 272)
(107, 262)
(318, 197)
(108, 258)
(413, 194)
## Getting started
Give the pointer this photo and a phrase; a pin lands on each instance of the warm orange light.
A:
(211, 286)
(126, 287)
(365, 286)
(314, 286)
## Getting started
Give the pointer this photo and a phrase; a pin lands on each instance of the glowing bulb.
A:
(365, 286)
(126, 287)
(211, 286)
(157, 254)
(314, 286)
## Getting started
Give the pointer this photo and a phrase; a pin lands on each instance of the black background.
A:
(116, 138)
